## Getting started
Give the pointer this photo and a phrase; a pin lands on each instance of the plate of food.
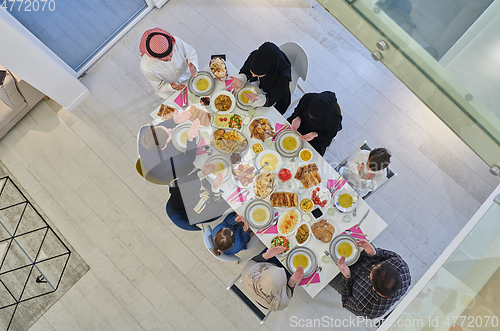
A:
(306, 154)
(205, 101)
(218, 68)
(261, 128)
(288, 143)
(264, 184)
(284, 200)
(344, 245)
(259, 214)
(244, 174)
(222, 164)
(320, 196)
(323, 231)
(201, 84)
(241, 98)
(272, 158)
(306, 205)
(308, 175)
(179, 137)
(302, 256)
(303, 234)
(228, 121)
(166, 111)
(257, 148)
(288, 222)
(229, 141)
(223, 102)
(283, 242)
(345, 201)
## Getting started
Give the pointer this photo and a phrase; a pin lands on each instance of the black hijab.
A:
(325, 113)
(270, 61)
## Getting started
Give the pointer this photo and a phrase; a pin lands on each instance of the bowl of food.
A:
(283, 242)
(205, 101)
(344, 245)
(201, 84)
(218, 68)
(320, 196)
(264, 184)
(345, 201)
(303, 234)
(257, 148)
(305, 154)
(244, 174)
(304, 257)
(272, 158)
(179, 137)
(229, 141)
(323, 231)
(288, 222)
(241, 96)
(290, 142)
(222, 164)
(306, 205)
(223, 102)
(259, 214)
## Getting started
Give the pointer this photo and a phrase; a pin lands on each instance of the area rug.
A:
(37, 264)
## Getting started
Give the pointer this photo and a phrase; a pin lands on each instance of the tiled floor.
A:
(148, 275)
(73, 30)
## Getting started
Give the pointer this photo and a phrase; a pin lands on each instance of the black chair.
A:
(364, 146)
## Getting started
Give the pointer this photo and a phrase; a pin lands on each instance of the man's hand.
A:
(218, 181)
(369, 176)
(177, 87)
(344, 269)
(193, 130)
(192, 69)
(273, 251)
(236, 83)
(296, 123)
(296, 277)
(365, 244)
(252, 96)
(361, 166)
(181, 117)
(308, 137)
(208, 169)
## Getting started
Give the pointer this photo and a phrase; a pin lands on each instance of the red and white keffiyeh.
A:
(158, 44)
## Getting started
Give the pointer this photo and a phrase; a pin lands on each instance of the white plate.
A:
(177, 132)
(224, 160)
(228, 119)
(192, 83)
(334, 232)
(309, 237)
(214, 97)
(271, 122)
(248, 88)
(299, 183)
(339, 207)
(255, 182)
(306, 212)
(236, 181)
(327, 193)
(306, 149)
(353, 247)
(281, 219)
(259, 162)
(311, 260)
(250, 208)
(291, 135)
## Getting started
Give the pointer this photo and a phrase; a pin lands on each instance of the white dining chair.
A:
(300, 64)
(209, 243)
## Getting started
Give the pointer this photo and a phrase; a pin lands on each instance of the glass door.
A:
(445, 52)
(75, 30)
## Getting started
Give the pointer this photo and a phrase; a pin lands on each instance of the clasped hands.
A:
(192, 71)
(295, 126)
(369, 176)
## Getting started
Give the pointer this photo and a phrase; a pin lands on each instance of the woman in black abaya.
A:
(317, 117)
(271, 67)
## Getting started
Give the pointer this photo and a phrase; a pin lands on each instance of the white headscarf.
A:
(266, 283)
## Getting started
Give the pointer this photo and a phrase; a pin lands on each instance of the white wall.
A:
(27, 57)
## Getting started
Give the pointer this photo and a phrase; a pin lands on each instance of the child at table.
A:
(232, 235)
(366, 169)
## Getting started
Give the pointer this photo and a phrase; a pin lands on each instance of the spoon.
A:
(293, 159)
(265, 165)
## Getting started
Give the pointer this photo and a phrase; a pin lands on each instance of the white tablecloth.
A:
(372, 226)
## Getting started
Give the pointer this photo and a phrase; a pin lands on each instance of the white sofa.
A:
(17, 98)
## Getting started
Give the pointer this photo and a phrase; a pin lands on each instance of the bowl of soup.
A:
(345, 201)
(289, 143)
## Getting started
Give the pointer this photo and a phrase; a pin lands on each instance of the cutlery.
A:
(184, 99)
(293, 159)
(355, 207)
(358, 234)
(273, 224)
(238, 196)
(362, 219)
(282, 129)
(265, 165)
(334, 188)
(315, 272)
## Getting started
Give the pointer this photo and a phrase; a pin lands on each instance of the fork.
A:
(273, 224)
(355, 207)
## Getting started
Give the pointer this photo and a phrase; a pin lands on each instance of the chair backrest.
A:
(148, 177)
(247, 301)
(209, 244)
(299, 61)
(180, 220)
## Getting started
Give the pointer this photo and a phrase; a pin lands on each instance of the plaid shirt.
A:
(357, 292)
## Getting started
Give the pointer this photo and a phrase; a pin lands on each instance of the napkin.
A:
(354, 231)
(238, 190)
(273, 229)
(202, 143)
(316, 279)
(178, 100)
(278, 127)
(332, 182)
(228, 82)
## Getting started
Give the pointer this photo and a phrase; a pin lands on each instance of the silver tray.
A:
(248, 86)
(256, 203)
(281, 151)
(210, 79)
(333, 251)
(313, 262)
(176, 133)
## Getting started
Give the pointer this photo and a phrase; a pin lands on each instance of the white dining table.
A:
(372, 226)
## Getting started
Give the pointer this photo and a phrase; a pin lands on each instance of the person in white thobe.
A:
(166, 61)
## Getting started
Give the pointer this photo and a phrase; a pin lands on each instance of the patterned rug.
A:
(37, 264)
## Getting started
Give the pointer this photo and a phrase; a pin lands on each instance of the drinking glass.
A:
(301, 190)
(331, 211)
(269, 142)
(251, 112)
(346, 218)
(325, 259)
